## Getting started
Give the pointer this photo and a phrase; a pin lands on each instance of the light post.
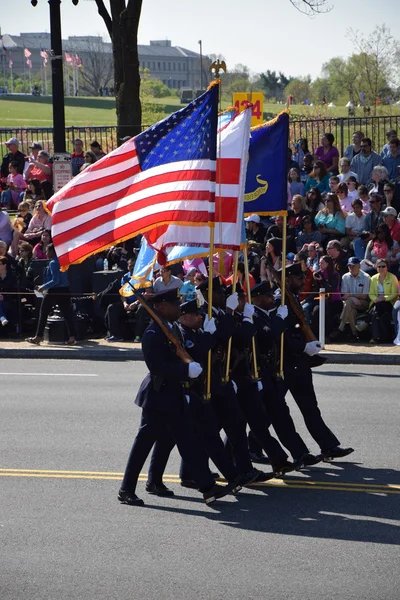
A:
(201, 65)
(56, 57)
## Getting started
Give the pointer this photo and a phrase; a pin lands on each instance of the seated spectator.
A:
(388, 195)
(295, 184)
(306, 297)
(338, 255)
(35, 149)
(342, 193)
(56, 291)
(373, 220)
(255, 230)
(345, 171)
(40, 250)
(25, 270)
(301, 151)
(314, 201)
(90, 158)
(318, 178)
(40, 221)
(291, 164)
(392, 160)
(353, 188)
(272, 259)
(355, 290)
(97, 150)
(298, 211)
(15, 185)
(313, 256)
(13, 155)
(307, 167)
(199, 278)
(6, 232)
(379, 247)
(33, 192)
(333, 183)
(328, 154)
(241, 278)
(8, 285)
(118, 311)
(329, 279)
(20, 224)
(276, 231)
(383, 293)
(354, 148)
(309, 233)
(40, 169)
(379, 177)
(166, 281)
(355, 224)
(365, 196)
(390, 135)
(188, 290)
(390, 219)
(78, 157)
(331, 220)
(117, 258)
(363, 163)
(47, 189)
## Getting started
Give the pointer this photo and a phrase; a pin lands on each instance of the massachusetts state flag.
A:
(164, 175)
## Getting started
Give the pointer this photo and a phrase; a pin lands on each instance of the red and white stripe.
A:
(114, 199)
(232, 151)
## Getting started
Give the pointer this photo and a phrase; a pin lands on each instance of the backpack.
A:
(381, 323)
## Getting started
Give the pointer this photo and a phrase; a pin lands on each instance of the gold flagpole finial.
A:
(217, 66)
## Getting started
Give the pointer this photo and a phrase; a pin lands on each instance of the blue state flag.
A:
(266, 179)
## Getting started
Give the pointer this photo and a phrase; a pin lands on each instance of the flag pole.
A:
(229, 350)
(216, 66)
(283, 287)
(247, 276)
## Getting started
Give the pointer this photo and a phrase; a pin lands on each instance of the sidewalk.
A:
(99, 349)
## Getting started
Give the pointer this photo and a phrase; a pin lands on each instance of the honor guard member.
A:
(197, 339)
(250, 388)
(270, 323)
(223, 394)
(299, 357)
(162, 397)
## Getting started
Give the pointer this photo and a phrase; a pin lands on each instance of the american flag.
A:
(68, 58)
(44, 55)
(232, 151)
(165, 174)
(27, 53)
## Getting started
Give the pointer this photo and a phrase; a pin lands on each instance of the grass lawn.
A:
(36, 111)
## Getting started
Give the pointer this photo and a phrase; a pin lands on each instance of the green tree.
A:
(300, 88)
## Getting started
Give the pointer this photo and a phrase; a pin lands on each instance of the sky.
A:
(261, 34)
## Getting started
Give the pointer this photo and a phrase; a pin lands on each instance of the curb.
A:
(123, 354)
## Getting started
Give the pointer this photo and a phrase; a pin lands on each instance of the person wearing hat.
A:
(39, 168)
(270, 323)
(96, 149)
(354, 288)
(223, 393)
(162, 397)
(299, 357)
(390, 218)
(255, 230)
(188, 290)
(13, 155)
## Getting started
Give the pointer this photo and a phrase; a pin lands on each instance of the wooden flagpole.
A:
(229, 350)
(247, 276)
(283, 288)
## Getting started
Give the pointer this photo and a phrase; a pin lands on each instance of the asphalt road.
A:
(326, 534)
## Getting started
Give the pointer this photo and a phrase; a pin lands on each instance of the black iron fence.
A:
(312, 129)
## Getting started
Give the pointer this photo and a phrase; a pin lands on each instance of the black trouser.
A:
(332, 312)
(207, 427)
(142, 321)
(231, 419)
(61, 297)
(167, 427)
(298, 380)
(115, 313)
(250, 401)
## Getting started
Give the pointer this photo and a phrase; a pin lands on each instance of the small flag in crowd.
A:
(165, 174)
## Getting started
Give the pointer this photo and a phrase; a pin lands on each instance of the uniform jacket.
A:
(269, 328)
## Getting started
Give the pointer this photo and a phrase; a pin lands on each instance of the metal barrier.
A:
(311, 129)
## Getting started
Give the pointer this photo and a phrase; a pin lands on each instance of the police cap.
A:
(217, 284)
(294, 270)
(263, 288)
(170, 296)
(190, 307)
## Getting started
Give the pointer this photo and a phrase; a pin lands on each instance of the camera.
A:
(364, 235)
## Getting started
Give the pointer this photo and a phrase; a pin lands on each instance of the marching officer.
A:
(299, 357)
(162, 397)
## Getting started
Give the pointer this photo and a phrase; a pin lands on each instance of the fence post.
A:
(341, 137)
(322, 299)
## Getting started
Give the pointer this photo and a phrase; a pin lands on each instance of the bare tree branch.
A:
(311, 7)
(103, 12)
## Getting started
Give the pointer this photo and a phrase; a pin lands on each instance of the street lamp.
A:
(201, 65)
(56, 57)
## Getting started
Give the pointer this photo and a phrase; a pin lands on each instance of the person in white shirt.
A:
(354, 288)
(345, 172)
(345, 200)
(355, 223)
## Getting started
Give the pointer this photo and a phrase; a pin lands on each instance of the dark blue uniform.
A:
(165, 415)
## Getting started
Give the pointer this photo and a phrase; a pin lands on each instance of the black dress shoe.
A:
(336, 452)
(259, 458)
(129, 498)
(307, 460)
(285, 467)
(217, 491)
(247, 478)
(261, 477)
(189, 483)
(158, 489)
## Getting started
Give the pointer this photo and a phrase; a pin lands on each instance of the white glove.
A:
(209, 325)
(259, 386)
(248, 311)
(282, 312)
(232, 301)
(312, 348)
(195, 370)
(234, 386)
